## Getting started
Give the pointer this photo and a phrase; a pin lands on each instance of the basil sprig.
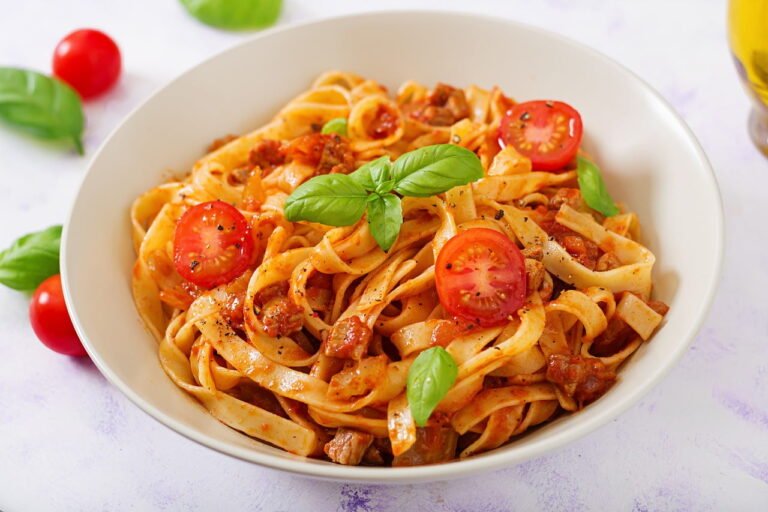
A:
(341, 199)
(430, 377)
(41, 105)
(335, 125)
(593, 188)
(31, 259)
(332, 199)
(235, 14)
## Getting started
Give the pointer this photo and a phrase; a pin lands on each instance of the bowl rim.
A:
(492, 460)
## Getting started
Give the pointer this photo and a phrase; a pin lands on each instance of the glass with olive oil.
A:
(748, 37)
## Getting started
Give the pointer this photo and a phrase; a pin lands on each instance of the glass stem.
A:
(758, 129)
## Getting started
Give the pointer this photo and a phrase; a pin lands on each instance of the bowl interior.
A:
(647, 154)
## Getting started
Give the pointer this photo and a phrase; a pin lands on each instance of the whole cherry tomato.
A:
(50, 319)
(88, 60)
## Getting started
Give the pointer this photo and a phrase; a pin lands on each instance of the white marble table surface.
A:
(698, 441)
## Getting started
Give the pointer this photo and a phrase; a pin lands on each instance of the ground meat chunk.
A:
(348, 339)
(326, 152)
(570, 196)
(658, 306)
(232, 309)
(434, 444)
(437, 116)
(373, 457)
(613, 340)
(279, 315)
(583, 378)
(450, 98)
(348, 446)
(384, 124)
(607, 261)
(358, 378)
(618, 333)
(445, 106)
(267, 154)
(585, 251)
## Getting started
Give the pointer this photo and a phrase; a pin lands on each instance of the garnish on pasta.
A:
(378, 280)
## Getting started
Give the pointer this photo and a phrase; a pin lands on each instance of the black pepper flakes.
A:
(499, 215)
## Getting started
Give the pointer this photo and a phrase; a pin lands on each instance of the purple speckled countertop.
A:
(698, 441)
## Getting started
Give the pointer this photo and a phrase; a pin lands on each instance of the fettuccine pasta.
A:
(308, 344)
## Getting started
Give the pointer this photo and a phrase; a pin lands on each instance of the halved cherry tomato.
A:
(547, 132)
(480, 277)
(213, 244)
(88, 60)
(50, 319)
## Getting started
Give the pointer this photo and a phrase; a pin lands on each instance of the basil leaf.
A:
(41, 105)
(385, 216)
(434, 169)
(234, 14)
(375, 172)
(385, 187)
(337, 125)
(430, 377)
(331, 199)
(593, 188)
(31, 259)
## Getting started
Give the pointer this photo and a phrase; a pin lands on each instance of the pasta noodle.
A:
(258, 351)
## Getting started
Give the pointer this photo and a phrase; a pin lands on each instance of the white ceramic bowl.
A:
(650, 160)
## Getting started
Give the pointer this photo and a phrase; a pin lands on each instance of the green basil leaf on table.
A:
(373, 173)
(434, 169)
(235, 14)
(331, 199)
(337, 125)
(385, 216)
(593, 188)
(31, 259)
(430, 377)
(41, 105)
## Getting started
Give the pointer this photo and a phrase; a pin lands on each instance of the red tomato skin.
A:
(513, 282)
(89, 61)
(236, 231)
(552, 161)
(50, 319)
